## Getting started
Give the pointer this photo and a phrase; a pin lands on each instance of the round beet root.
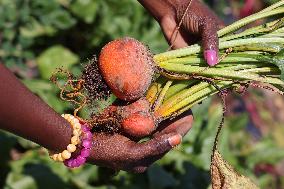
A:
(137, 120)
(138, 125)
(141, 105)
(132, 119)
(127, 67)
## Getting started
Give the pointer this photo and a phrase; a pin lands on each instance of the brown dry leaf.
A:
(224, 176)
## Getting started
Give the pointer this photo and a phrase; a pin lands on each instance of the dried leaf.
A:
(224, 176)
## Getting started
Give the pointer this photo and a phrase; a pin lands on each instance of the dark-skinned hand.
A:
(29, 117)
(198, 22)
(121, 153)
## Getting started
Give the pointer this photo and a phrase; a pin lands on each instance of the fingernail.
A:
(175, 140)
(211, 57)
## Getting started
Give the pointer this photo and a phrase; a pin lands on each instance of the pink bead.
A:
(87, 143)
(70, 163)
(85, 152)
(81, 160)
(88, 135)
(66, 163)
(85, 128)
(74, 163)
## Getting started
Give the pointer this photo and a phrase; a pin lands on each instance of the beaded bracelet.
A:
(85, 151)
(75, 139)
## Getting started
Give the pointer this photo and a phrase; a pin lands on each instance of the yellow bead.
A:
(76, 132)
(73, 123)
(71, 148)
(76, 121)
(69, 119)
(66, 116)
(75, 140)
(80, 131)
(59, 157)
(66, 154)
(77, 126)
(54, 157)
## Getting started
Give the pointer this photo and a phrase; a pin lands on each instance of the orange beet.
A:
(132, 119)
(138, 125)
(127, 68)
(137, 120)
(141, 105)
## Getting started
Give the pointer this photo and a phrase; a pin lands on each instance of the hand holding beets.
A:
(198, 22)
(119, 152)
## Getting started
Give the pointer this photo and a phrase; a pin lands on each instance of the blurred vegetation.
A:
(37, 36)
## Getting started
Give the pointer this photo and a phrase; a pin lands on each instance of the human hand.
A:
(121, 153)
(198, 21)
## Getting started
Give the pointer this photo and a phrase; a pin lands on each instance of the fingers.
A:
(158, 145)
(170, 136)
(120, 153)
(174, 38)
(147, 153)
(181, 125)
(210, 41)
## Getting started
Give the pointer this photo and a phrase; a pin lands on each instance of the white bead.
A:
(76, 132)
(76, 120)
(77, 126)
(71, 148)
(54, 157)
(75, 140)
(59, 157)
(65, 154)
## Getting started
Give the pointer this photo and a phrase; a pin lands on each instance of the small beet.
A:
(141, 105)
(138, 125)
(132, 119)
(127, 68)
(137, 120)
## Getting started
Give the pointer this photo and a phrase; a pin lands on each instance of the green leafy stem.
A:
(252, 55)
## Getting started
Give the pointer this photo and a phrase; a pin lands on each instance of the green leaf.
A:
(62, 19)
(265, 151)
(55, 57)
(85, 9)
(159, 178)
(278, 60)
(194, 177)
(15, 180)
(34, 29)
(82, 178)
(8, 142)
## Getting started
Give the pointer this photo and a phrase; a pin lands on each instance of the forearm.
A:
(24, 114)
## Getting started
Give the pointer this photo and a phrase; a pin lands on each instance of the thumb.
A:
(159, 145)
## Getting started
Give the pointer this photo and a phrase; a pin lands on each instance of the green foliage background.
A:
(39, 35)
